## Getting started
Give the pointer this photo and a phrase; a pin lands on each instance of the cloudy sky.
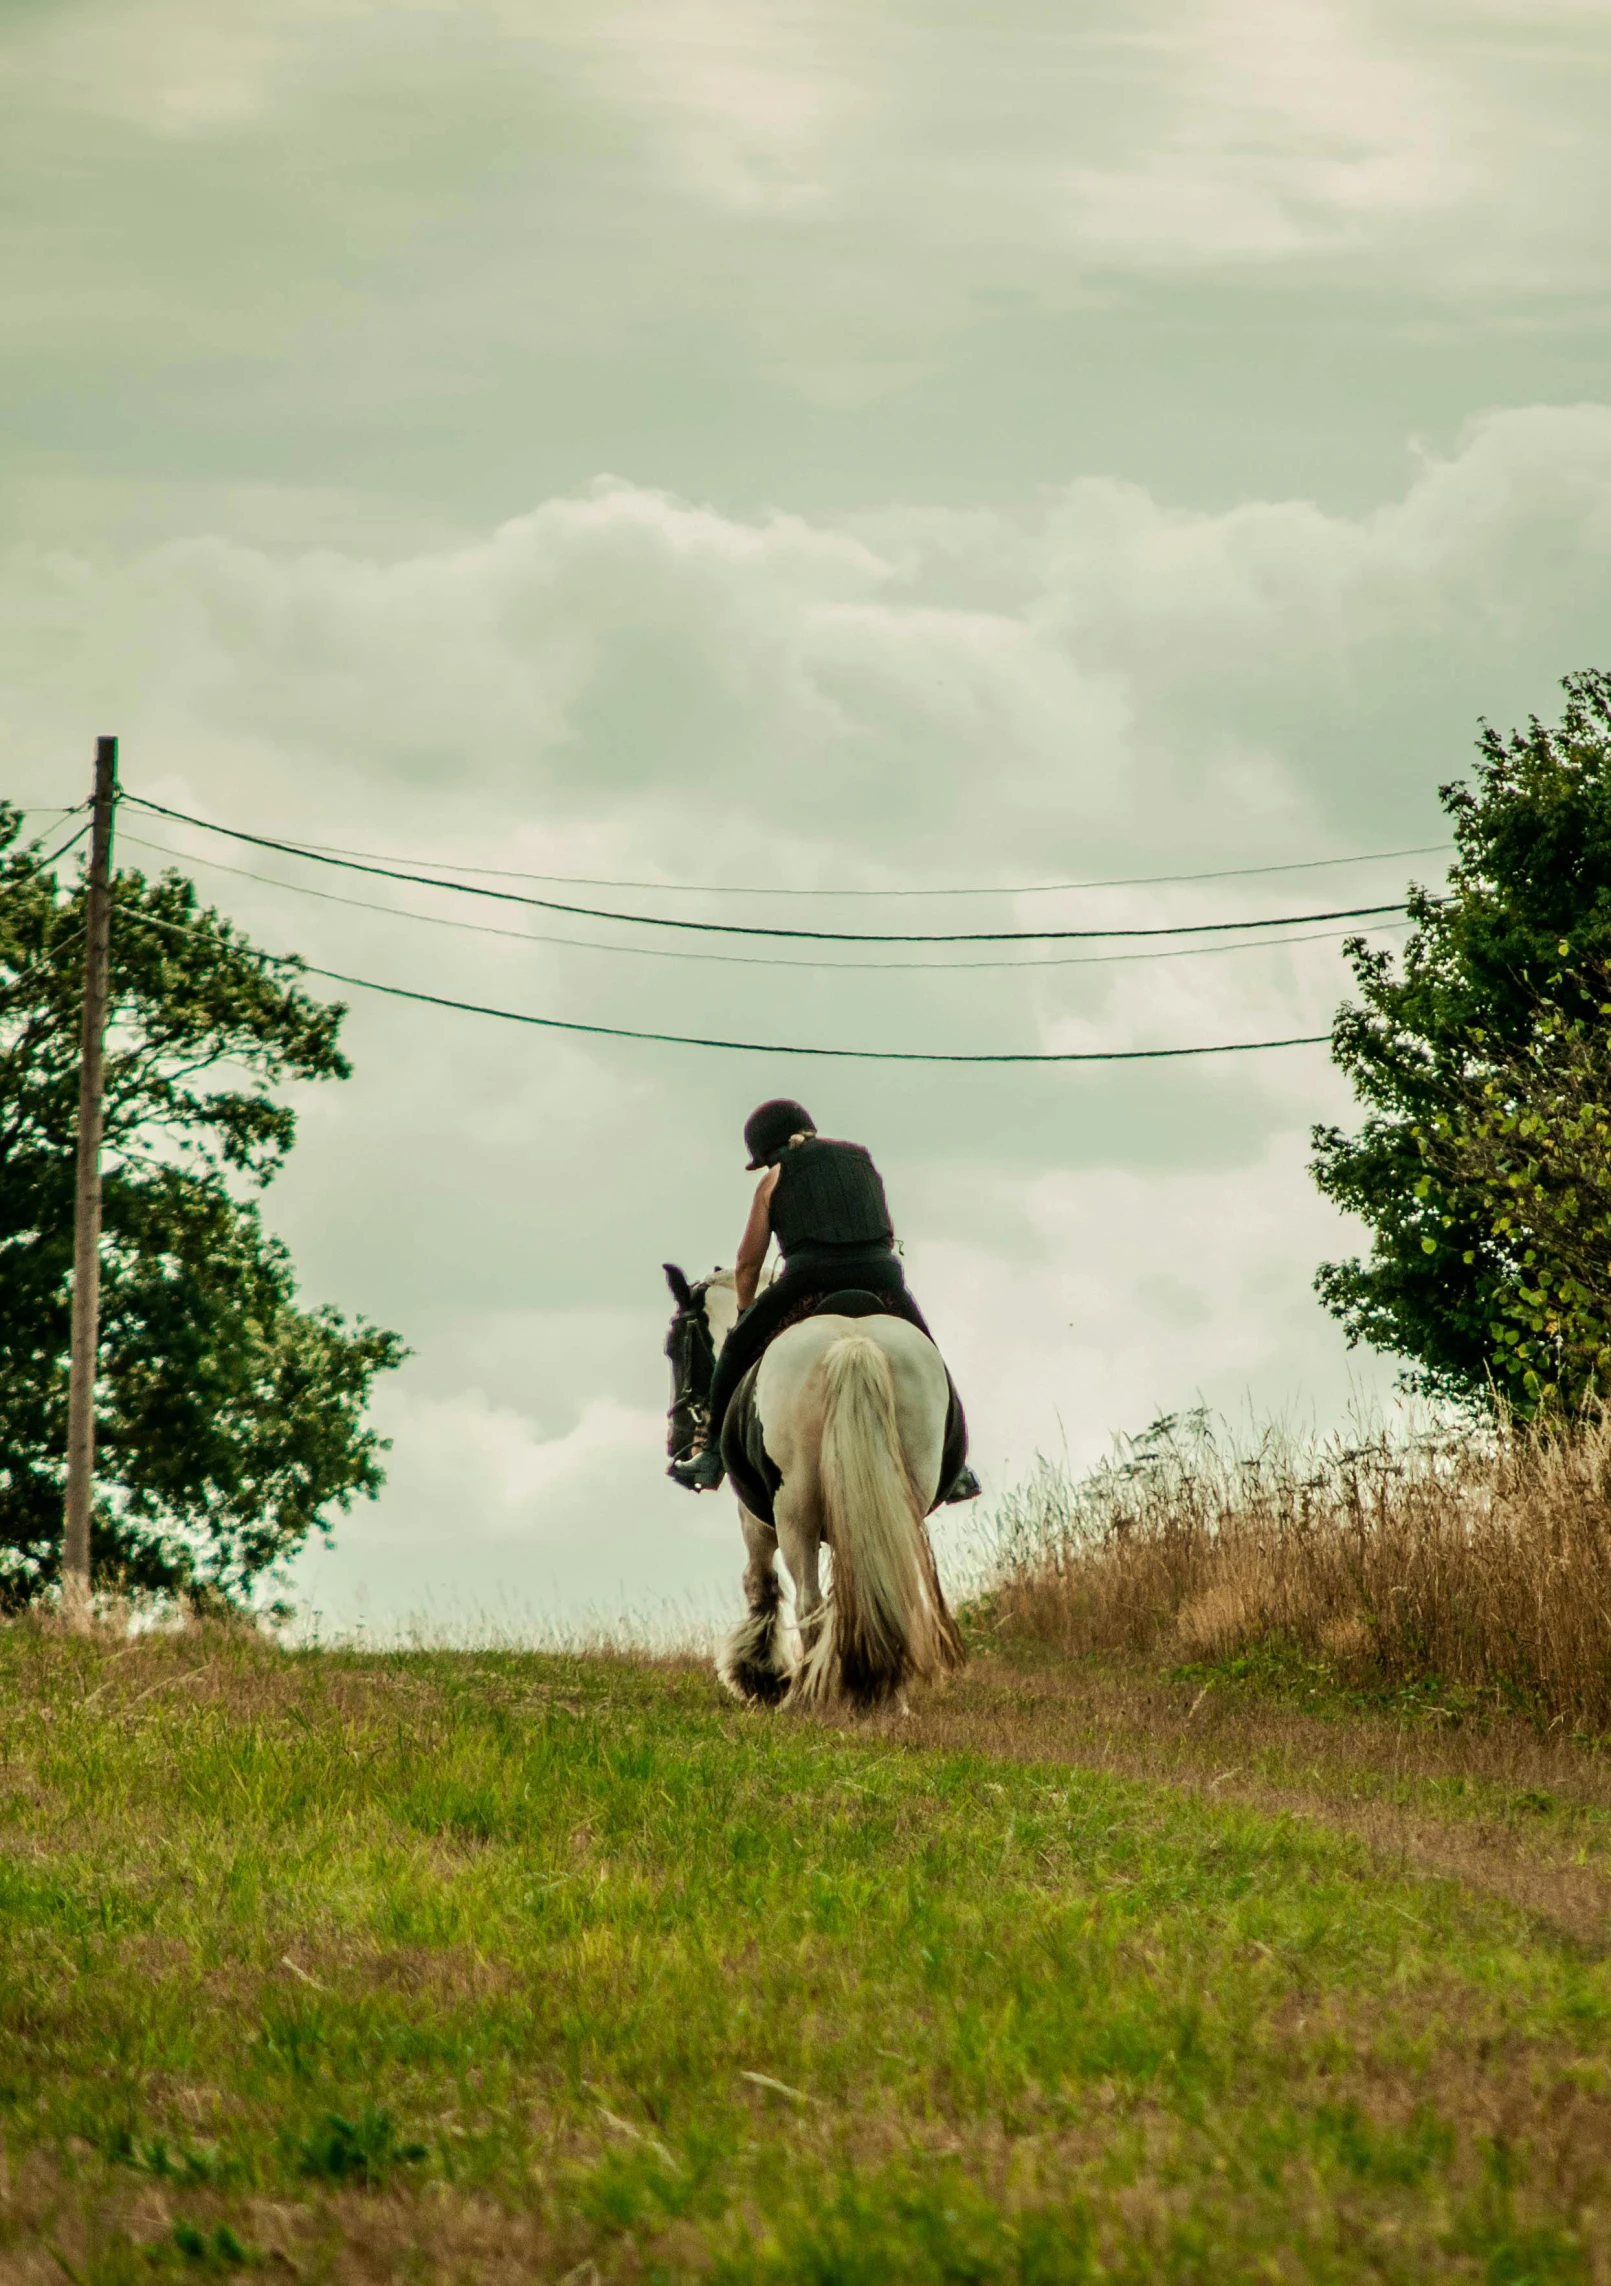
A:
(802, 448)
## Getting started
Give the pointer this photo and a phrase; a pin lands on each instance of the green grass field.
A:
(504, 1966)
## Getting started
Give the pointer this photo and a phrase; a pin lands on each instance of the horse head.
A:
(691, 1347)
(703, 1319)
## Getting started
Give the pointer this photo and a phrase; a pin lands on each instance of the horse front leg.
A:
(751, 1663)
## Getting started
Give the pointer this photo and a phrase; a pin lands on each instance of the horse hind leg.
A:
(751, 1663)
(814, 1684)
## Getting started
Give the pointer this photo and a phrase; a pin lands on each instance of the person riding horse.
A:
(823, 1201)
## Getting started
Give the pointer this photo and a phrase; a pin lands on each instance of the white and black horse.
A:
(849, 1415)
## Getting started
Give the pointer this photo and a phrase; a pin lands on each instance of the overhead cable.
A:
(37, 966)
(782, 1048)
(751, 929)
(973, 889)
(752, 1047)
(41, 864)
(60, 851)
(733, 960)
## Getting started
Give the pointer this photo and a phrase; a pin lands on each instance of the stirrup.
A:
(699, 1472)
(963, 1486)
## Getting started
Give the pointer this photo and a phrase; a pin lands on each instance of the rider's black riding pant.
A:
(818, 1270)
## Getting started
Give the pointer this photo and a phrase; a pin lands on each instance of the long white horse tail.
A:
(887, 1619)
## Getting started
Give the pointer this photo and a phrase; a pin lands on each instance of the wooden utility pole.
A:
(87, 1202)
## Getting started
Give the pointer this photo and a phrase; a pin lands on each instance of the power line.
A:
(39, 964)
(41, 864)
(734, 960)
(779, 1048)
(72, 841)
(1004, 889)
(744, 929)
(756, 1047)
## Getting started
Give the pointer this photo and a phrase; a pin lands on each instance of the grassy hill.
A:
(490, 1966)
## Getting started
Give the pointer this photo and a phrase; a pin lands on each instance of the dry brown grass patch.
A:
(1481, 1559)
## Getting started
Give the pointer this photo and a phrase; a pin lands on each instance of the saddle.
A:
(750, 1469)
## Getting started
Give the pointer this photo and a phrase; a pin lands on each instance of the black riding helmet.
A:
(768, 1128)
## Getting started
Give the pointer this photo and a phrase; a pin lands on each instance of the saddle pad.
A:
(750, 1470)
(754, 1475)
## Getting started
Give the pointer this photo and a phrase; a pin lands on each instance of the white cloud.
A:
(489, 1523)
(1139, 1293)
(1284, 129)
(624, 673)
(1184, 595)
(371, 194)
(482, 1468)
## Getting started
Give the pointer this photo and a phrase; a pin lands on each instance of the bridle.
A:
(691, 1349)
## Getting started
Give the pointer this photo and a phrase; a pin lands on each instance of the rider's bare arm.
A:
(756, 1239)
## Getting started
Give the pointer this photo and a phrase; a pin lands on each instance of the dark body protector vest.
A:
(829, 1194)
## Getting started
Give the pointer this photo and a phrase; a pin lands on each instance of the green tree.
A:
(230, 1422)
(1534, 1146)
(1476, 1046)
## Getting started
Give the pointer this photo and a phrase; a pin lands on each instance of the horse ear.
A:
(682, 1292)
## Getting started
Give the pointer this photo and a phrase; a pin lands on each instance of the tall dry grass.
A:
(1479, 1559)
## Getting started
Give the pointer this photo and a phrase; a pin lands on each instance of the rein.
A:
(692, 1352)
